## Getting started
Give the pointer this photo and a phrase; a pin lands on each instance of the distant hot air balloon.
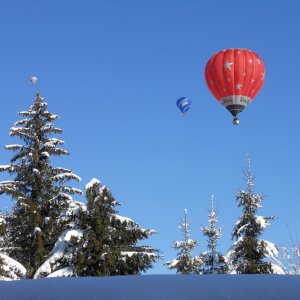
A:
(234, 77)
(33, 79)
(184, 104)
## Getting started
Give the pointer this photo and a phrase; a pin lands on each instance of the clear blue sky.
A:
(113, 71)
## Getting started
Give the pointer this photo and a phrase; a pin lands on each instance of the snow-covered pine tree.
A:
(39, 189)
(109, 240)
(249, 254)
(185, 263)
(213, 262)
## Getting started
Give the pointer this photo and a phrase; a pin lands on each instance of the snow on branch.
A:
(61, 169)
(61, 251)
(135, 253)
(65, 176)
(122, 219)
(13, 147)
(21, 122)
(25, 113)
(262, 221)
(53, 142)
(5, 167)
(13, 269)
(92, 183)
(50, 116)
(58, 151)
(70, 190)
(149, 232)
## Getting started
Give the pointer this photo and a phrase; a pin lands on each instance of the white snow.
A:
(92, 183)
(53, 142)
(5, 167)
(122, 219)
(156, 287)
(130, 253)
(13, 146)
(59, 251)
(13, 268)
(8, 182)
(149, 231)
(45, 153)
(36, 171)
(64, 272)
(262, 221)
(37, 230)
(66, 175)
(271, 249)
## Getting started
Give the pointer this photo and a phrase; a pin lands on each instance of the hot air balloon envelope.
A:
(234, 77)
(184, 104)
(33, 79)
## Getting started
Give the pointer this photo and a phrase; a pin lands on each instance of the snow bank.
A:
(156, 287)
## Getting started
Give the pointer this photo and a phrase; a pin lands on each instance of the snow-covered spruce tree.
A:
(250, 254)
(39, 189)
(109, 243)
(185, 263)
(213, 262)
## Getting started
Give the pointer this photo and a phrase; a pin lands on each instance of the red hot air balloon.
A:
(234, 77)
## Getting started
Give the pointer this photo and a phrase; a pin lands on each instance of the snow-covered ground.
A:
(158, 287)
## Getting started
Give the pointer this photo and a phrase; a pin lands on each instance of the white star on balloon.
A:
(258, 62)
(238, 86)
(227, 65)
(263, 76)
(250, 61)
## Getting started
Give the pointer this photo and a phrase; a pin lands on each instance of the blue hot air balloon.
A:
(184, 104)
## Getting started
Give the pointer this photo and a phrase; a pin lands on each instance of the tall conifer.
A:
(249, 254)
(38, 189)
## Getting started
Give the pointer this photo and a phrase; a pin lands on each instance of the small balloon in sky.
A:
(184, 104)
(33, 79)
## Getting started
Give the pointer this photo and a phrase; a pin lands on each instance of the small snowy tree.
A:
(109, 243)
(289, 259)
(185, 263)
(38, 188)
(213, 262)
(249, 254)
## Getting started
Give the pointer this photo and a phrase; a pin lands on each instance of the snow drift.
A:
(158, 287)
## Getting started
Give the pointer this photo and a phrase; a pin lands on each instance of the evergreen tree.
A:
(213, 262)
(249, 254)
(109, 243)
(185, 263)
(38, 188)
